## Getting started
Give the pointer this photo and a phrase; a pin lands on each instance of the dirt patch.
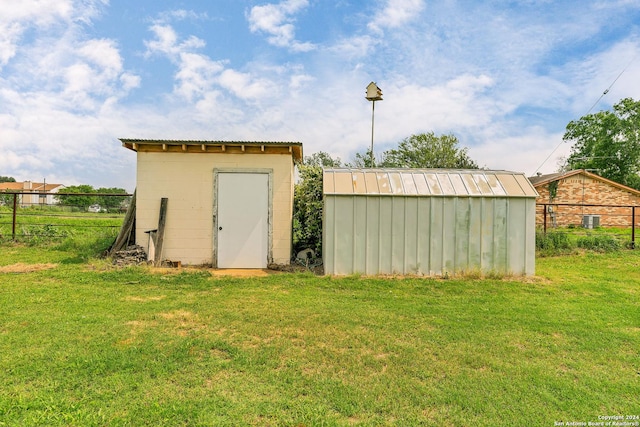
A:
(297, 268)
(145, 299)
(242, 272)
(26, 268)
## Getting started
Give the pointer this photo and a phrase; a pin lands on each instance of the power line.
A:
(589, 111)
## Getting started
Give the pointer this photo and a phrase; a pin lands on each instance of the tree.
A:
(83, 199)
(608, 142)
(307, 202)
(322, 159)
(361, 160)
(426, 150)
(6, 199)
(111, 202)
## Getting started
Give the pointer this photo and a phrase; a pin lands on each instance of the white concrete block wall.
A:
(186, 179)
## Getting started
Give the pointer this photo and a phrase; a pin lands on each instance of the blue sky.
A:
(505, 77)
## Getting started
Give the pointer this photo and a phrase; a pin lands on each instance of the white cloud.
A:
(20, 15)
(244, 86)
(277, 21)
(166, 42)
(396, 13)
(180, 15)
(9, 34)
(354, 47)
(196, 75)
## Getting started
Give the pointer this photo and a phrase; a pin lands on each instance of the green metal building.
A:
(428, 222)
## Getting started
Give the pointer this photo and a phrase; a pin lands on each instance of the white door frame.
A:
(268, 172)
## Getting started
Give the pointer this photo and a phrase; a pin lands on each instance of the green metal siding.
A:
(428, 235)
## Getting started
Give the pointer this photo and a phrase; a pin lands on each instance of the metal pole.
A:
(15, 209)
(633, 227)
(373, 110)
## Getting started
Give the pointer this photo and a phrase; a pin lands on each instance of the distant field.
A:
(83, 343)
(38, 224)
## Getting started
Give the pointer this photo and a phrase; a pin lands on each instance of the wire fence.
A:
(28, 216)
(621, 221)
(22, 219)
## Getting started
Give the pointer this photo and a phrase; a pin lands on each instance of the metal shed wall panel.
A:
(428, 221)
(428, 235)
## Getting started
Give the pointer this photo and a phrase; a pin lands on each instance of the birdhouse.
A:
(374, 93)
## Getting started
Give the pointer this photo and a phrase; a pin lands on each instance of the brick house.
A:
(582, 187)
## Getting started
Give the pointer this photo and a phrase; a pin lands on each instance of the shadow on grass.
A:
(83, 249)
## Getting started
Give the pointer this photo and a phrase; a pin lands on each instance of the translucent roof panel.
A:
(395, 179)
(432, 182)
(483, 185)
(458, 185)
(359, 184)
(421, 183)
(383, 183)
(445, 184)
(471, 184)
(409, 184)
(427, 182)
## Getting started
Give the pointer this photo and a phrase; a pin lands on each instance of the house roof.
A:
(427, 182)
(200, 146)
(30, 186)
(541, 180)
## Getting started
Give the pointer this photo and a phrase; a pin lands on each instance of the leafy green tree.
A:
(361, 160)
(111, 202)
(608, 142)
(307, 202)
(6, 199)
(83, 199)
(322, 159)
(426, 150)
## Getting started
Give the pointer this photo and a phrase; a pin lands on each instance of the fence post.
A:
(544, 215)
(15, 210)
(633, 227)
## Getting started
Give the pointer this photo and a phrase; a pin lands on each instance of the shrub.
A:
(553, 240)
(553, 243)
(599, 243)
(307, 210)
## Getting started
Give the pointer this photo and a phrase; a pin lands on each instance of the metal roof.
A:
(205, 145)
(427, 182)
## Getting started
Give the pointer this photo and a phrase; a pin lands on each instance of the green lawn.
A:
(41, 224)
(86, 344)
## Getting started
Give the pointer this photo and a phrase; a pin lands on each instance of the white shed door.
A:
(243, 224)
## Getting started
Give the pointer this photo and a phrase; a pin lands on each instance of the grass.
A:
(37, 225)
(84, 343)
(567, 241)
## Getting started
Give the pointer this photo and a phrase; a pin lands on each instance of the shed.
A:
(428, 221)
(229, 204)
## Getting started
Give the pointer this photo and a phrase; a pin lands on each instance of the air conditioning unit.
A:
(591, 221)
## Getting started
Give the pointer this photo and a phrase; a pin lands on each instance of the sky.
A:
(505, 77)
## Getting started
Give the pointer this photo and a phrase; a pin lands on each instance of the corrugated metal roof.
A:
(135, 143)
(427, 182)
(212, 142)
